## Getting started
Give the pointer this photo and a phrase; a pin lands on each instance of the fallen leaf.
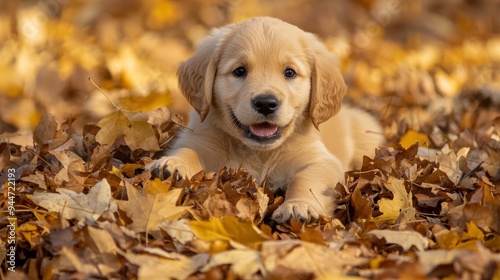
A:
(305, 258)
(391, 208)
(229, 228)
(133, 126)
(148, 211)
(486, 216)
(36, 178)
(473, 233)
(73, 167)
(446, 239)
(449, 162)
(82, 265)
(154, 267)
(156, 186)
(405, 238)
(247, 209)
(411, 137)
(79, 206)
(104, 249)
(263, 201)
(432, 259)
(244, 263)
(178, 230)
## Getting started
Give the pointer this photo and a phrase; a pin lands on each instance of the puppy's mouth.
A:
(264, 132)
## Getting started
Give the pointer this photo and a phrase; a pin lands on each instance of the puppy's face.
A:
(262, 86)
(261, 79)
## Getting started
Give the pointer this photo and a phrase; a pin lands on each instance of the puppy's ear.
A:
(196, 75)
(327, 85)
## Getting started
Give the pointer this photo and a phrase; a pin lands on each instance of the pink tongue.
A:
(263, 129)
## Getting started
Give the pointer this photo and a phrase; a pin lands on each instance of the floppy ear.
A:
(196, 75)
(327, 85)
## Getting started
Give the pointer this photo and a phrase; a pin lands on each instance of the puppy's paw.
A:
(167, 166)
(301, 210)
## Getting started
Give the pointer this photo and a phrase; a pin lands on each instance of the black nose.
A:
(265, 104)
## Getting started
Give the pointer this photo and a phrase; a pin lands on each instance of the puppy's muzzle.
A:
(265, 104)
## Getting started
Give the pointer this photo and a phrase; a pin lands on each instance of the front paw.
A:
(165, 167)
(301, 210)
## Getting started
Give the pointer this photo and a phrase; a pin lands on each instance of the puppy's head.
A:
(261, 79)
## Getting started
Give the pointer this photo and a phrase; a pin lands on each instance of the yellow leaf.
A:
(470, 245)
(133, 126)
(411, 137)
(156, 186)
(129, 169)
(473, 233)
(116, 171)
(228, 228)
(375, 263)
(447, 240)
(38, 215)
(391, 209)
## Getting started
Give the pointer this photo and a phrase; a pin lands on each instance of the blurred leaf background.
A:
(406, 60)
(429, 70)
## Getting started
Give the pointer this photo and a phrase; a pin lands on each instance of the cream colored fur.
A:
(298, 161)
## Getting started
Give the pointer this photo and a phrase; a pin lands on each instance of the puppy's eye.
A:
(289, 73)
(240, 72)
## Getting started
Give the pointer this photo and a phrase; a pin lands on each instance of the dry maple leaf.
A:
(104, 250)
(75, 261)
(73, 165)
(37, 178)
(133, 126)
(391, 208)
(449, 162)
(46, 133)
(80, 206)
(148, 211)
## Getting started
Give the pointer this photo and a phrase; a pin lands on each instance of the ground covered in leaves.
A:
(77, 203)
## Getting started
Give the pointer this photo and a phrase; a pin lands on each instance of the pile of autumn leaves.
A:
(86, 207)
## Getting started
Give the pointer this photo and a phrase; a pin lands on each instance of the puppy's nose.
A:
(265, 104)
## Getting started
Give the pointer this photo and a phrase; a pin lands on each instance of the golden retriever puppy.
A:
(261, 88)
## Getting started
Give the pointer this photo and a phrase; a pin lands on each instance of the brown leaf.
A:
(180, 267)
(73, 168)
(306, 258)
(72, 205)
(148, 211)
